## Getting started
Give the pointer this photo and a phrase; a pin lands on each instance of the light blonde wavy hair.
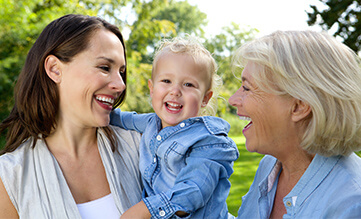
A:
(319, 70)
(192, 46)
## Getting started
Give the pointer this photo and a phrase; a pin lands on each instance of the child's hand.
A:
(139, 211)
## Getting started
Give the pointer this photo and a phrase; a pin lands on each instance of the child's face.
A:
(179, 88)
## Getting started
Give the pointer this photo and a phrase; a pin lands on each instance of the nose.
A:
(175, 90)
(117, 84)
(235, 99)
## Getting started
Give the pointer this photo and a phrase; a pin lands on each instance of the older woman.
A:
(301, 92)
(61, 159)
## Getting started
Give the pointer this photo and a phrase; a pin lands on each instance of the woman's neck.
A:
(294, 166)
(71, 139)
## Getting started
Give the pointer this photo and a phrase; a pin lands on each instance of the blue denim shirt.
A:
(330, 188)
(184, 167)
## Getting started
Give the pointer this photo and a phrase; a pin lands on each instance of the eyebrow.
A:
(108, 59)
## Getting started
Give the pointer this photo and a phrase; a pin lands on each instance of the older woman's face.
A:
(92, 81)
(269, 115)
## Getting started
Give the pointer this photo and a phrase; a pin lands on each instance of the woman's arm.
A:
(139, 211)
(7, 209)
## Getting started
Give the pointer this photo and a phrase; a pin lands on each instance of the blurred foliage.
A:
(21, 22)
(222, 46)
(342, 16)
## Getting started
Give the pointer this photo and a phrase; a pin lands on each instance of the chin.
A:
(250, 148)
(104, 122)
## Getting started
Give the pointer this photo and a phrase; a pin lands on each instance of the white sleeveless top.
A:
(103, 207)
(37, 188)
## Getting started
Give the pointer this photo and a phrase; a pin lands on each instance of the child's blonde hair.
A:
(191, 46)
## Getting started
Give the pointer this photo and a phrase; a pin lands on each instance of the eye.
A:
(189, 85)
(105, 68)
(245, 88)
(167, 81)
(122, 70)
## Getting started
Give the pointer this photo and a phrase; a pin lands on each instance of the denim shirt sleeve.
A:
(208, 168)
(129, 120)
(353, 211)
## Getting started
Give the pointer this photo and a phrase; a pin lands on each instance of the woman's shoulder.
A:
(128, 137)
(12, 167)
(351, 166)
(16, 157)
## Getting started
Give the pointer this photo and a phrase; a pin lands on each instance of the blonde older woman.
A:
(301, 92)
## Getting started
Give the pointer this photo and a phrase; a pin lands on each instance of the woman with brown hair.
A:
(61, 158)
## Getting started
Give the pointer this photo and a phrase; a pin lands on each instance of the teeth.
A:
(245, 118)
(174, 104)
(105, 99)
(173, 109)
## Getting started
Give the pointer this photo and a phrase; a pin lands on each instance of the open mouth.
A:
(105, 102)
(246, 119)
(173, 106)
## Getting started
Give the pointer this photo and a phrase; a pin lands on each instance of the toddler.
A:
(185, 158)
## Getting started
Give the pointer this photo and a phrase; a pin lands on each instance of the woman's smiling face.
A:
(92, 81)
(270, 114)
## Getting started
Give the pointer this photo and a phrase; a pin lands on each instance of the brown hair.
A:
(36, 95)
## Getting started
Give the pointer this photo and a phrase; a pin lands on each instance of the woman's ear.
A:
(150, 85)
(300, 110)
(52, 67)
(206, 98)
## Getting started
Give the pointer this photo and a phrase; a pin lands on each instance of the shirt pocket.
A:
(175, 157)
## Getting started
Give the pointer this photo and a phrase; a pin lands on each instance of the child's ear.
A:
(150, 85)
(300, 110)
(52, 67)
(206, 98)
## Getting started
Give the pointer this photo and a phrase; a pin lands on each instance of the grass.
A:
(245, 168)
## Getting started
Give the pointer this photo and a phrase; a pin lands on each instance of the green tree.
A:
(159, 19)
(20, 23)
(344, 16)
(222, 46)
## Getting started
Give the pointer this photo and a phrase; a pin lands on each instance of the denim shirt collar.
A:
(214, 125)
(316, 172)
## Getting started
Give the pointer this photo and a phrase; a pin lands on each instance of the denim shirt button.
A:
(161, 213)
(159, 137)
(154, 159)
(288, 203)
(182, 125)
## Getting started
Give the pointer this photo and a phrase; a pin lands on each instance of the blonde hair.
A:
(191, 46)
(317, 69)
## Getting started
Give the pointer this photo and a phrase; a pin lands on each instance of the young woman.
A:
(61, 159)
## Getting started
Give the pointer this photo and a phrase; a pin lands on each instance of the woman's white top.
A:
(103, 207)
(37, 188)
